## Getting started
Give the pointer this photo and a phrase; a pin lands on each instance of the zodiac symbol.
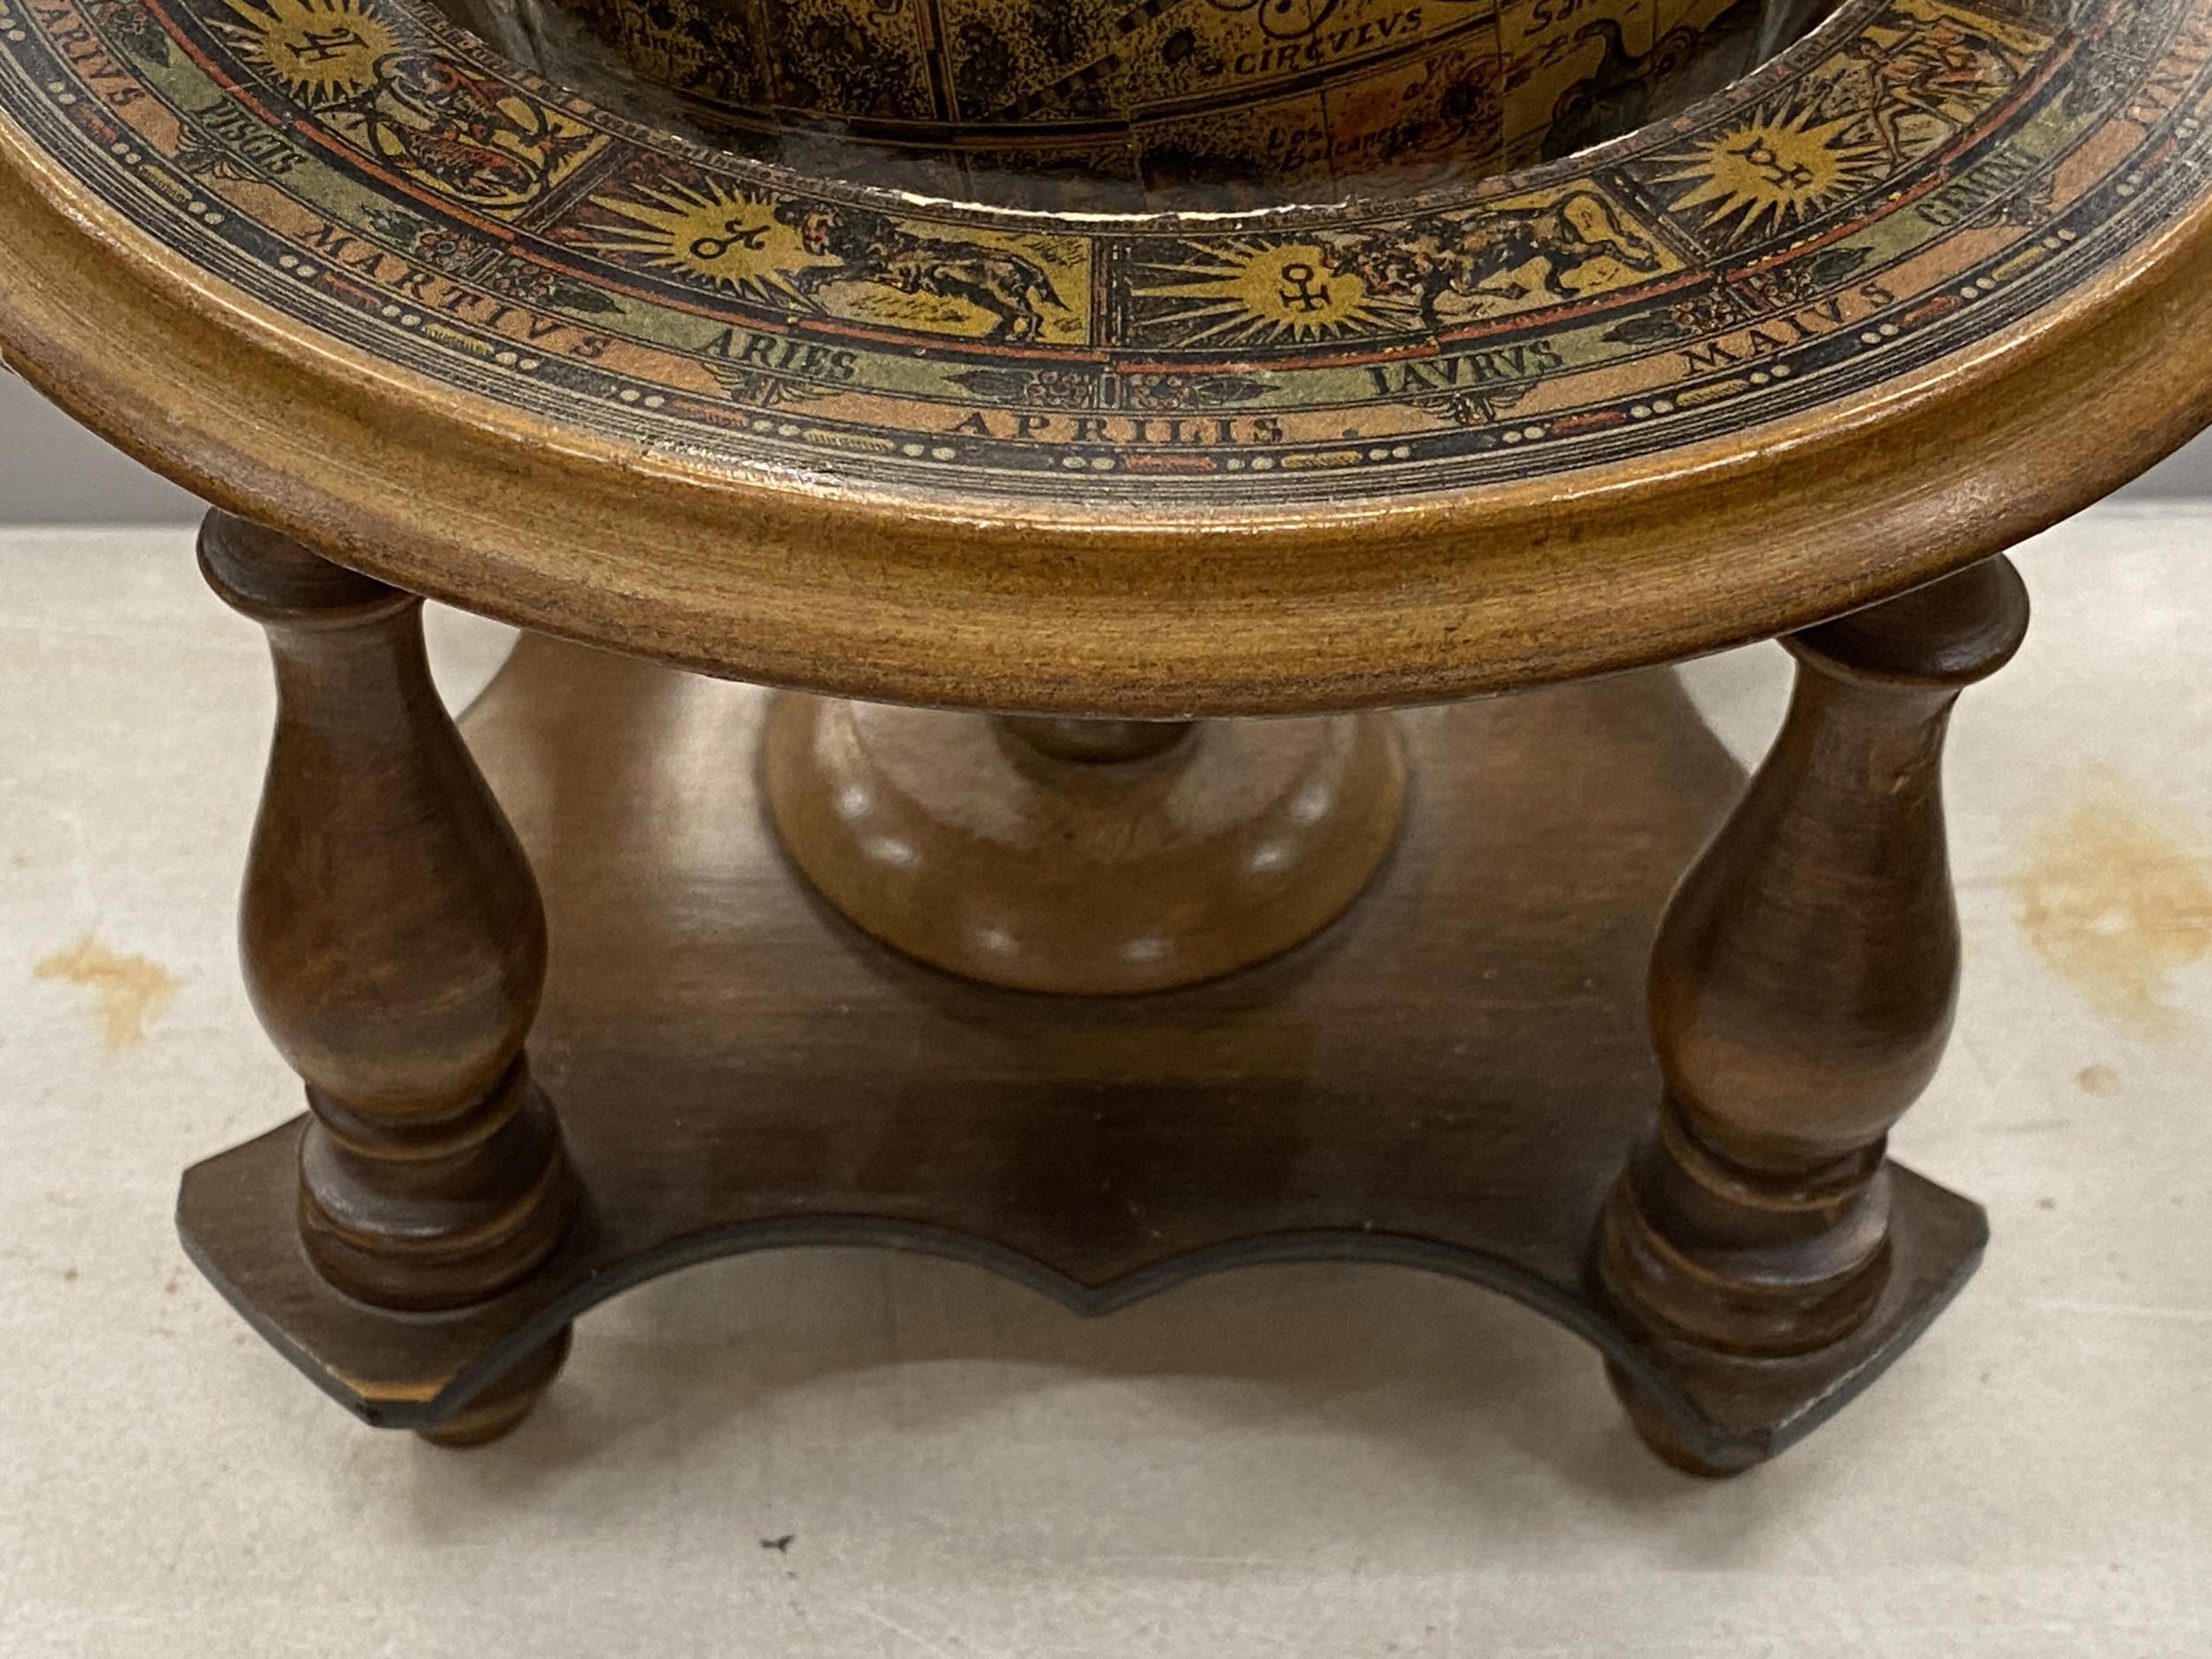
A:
(1303, 293)
(322, 47)
(1762, 155)
(735, 234)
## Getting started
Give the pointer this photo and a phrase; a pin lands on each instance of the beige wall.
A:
(51, 471)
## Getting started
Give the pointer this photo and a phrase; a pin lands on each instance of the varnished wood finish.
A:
(393, 947)
(1095, 857)
(498, 1407)
(638, 490)
(1802, 992)
(1281, 613)
(1075, 739)
(1933, 277)
(1449, 1077)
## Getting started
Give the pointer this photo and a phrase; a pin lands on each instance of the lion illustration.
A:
(873, 247)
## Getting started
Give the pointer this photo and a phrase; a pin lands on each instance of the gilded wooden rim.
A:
(1927, 282)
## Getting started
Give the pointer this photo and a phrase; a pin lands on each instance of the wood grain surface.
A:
(1450, 1077)
(393, 947)
(1087, 856)
(2003, 275)
(1802, 987)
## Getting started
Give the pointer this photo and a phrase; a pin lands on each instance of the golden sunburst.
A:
(1773, 171)
(727, 240)
(1249, 291)
(322, 49)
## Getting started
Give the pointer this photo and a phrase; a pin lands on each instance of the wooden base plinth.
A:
(955, 838)
(1450, 1077)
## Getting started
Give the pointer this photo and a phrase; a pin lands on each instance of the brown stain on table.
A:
(2117, 906)
(131, 990)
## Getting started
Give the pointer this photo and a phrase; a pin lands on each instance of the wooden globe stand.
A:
(1373, 1095)
(1033, 413)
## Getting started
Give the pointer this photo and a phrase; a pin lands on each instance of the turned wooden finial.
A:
(1801, 990)
(393, 947)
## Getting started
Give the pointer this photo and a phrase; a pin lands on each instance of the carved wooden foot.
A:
(1088, 857)
(395, 949)
(494, 1410)
(1802, 993)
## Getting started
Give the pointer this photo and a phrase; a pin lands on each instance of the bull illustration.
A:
(1510, 253)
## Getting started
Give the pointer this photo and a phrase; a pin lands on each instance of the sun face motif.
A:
(1771, 171)
(732, 241)
(1250, 292)
(323, 51)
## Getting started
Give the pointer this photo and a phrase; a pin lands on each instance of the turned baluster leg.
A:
(395, 948)
(1802, 993)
